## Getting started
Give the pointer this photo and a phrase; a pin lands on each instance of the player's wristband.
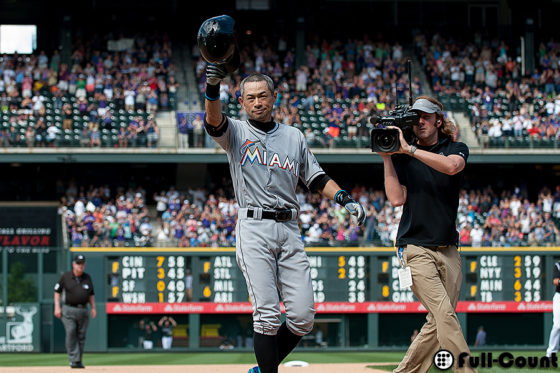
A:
(342, 197)
(212, 92)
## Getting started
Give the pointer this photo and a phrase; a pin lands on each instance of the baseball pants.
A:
(436, 281)
(554, 339)
(166, 342)
(272, 258)
(75, 321)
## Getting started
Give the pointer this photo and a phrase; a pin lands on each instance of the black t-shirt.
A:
(167, 330)
(430, 210)
(78, 289)
(556, 274)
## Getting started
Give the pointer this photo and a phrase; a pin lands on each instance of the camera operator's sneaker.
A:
(254, 370)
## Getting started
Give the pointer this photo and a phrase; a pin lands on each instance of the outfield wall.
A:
(359, 303)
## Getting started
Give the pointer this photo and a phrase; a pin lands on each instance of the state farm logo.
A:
(168, 308)
(471, 307)
(372, 307)
(521, 307)
(220, 308)
(117, 308)
(320, 307)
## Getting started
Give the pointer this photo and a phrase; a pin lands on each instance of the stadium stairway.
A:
(186, 100)
(418, 71)
(167, 123)
(187, 94)
(466, 134)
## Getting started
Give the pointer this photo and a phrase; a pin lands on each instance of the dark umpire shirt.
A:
(430, 210)
(556, 274)
(78, 289)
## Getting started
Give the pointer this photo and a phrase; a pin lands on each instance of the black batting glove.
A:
(215, 74)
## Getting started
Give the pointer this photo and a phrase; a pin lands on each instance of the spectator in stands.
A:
(85, 138)
(183, 132)
(30, 137)
(152, 132)
(152, 102)
(67, 117)
(122, 138)
(198, 131)
(95, 137)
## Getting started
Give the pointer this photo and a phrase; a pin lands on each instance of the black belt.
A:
(77, 305)
(438, 247)
(277, 215)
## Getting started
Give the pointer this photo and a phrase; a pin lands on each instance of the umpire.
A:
(425, 178)
(78, 292)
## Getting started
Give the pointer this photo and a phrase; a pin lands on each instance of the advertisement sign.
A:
(20, 331)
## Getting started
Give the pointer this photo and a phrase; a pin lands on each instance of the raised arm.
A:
(212, 104)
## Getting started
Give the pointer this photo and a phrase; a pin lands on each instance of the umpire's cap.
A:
(216, 41)
(79, 258)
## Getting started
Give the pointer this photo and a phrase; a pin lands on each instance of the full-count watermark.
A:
(444, 359)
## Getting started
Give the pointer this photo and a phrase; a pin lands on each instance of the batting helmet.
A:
(216, 41)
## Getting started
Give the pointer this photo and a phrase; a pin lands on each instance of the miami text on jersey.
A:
(251, 152)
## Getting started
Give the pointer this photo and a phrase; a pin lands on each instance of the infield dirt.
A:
(237, 368)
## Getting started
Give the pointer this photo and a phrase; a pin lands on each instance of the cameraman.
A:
(425, 177)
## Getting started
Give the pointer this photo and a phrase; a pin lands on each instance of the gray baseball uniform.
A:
(265, 168)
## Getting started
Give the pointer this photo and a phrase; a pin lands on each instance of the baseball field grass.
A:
(202, 358)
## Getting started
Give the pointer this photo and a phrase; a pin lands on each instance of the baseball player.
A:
(266, 161)
(554, 339)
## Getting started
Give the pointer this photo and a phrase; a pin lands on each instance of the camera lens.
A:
(385, 141)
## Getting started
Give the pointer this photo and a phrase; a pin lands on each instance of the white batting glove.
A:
(354, 208)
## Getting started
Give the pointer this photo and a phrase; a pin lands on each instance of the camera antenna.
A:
(409, 67)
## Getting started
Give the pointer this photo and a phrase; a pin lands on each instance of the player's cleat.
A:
(78, 365)
(254, 370)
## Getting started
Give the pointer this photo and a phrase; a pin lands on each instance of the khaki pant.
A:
(436, 281)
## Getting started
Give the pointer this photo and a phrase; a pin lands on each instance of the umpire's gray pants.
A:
(272, 258)
(75, 321)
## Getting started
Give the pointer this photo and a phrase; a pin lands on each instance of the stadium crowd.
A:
(99, 216)
(106, 95)
(487, 80)
(332, 95)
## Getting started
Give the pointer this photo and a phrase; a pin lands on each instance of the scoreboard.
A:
(343, 277)
(356, 279)
(505, 277)
(147, 278)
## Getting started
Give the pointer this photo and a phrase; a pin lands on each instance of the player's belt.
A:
(77, 305)
(438, 247)
(277, 215)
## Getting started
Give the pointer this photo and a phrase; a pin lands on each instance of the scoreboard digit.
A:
(527, 278)
(357, 282)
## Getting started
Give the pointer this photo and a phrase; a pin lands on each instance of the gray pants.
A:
(75, 321)
(272, 258)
